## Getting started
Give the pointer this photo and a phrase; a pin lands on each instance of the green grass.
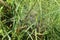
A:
(30, 20)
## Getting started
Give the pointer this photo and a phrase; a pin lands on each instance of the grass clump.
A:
(29, 20)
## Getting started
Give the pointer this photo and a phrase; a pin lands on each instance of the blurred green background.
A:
(29, 19)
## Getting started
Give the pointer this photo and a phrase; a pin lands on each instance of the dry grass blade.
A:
(5, 4)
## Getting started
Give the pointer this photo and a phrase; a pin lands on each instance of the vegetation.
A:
(29, 19)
